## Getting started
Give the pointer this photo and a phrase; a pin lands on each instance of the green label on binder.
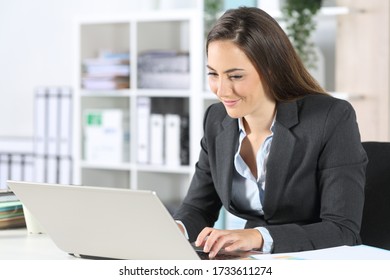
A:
(94, 119)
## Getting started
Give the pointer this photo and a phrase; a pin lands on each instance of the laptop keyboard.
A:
(221, 256)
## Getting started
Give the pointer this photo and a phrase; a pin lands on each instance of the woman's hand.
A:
(181, 228)
(213, 240)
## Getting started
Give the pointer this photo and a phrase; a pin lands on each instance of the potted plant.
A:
(300, 23)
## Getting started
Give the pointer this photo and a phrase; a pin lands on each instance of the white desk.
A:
(17, 244)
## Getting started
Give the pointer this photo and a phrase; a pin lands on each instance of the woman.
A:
(277, 151)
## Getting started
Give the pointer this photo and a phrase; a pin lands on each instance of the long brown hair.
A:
(265, 43)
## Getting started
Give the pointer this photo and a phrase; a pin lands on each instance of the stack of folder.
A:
(11, 211)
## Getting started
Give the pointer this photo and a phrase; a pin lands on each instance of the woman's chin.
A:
(233, 113)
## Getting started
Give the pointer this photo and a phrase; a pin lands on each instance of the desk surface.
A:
(17, 244)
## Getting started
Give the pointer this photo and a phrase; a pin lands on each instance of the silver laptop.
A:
(105, 222)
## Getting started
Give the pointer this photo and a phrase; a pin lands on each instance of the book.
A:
(11, 212)
(8, 206)
(105, 61)
(13, 222)
(105, 83)
(16, 212)
(108, 70)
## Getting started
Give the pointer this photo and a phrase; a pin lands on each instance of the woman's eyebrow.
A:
(226, 71)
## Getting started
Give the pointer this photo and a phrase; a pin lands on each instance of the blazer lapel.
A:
(226, 146)
(279, 159)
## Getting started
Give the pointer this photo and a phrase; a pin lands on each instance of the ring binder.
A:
(53, 135)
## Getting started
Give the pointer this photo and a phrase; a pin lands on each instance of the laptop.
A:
(109, 223)
(105, 223)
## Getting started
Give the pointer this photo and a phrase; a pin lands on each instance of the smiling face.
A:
(234, 79)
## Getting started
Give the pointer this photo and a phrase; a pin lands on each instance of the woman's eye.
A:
(235, 77)
(212, 74)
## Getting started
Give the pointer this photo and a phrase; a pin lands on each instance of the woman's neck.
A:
(261, 122)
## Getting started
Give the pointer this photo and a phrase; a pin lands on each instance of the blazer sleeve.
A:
(202, 204)
(341, 178)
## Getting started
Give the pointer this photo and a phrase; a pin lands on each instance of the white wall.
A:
(36, 50)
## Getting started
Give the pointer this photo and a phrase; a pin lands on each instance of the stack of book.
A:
(108, 71)
(11, 211)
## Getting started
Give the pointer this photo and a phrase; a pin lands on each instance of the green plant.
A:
(300, 23)
(211, 12)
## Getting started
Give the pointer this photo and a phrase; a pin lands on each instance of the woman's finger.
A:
(202, 237)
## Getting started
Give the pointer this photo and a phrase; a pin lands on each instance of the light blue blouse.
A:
(248, 191)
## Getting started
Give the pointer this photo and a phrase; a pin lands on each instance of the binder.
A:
(52, 167)
(157, 139)
(184, 140)
(172, 140)
(40, 126)
(104, 134)
(15, 166)
(143, 122)
(65, 169)
(64, 157)
(40, 168)
(53, 108)
(53, 134)
(3, 171)
(65, 123)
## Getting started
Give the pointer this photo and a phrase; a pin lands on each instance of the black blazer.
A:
(314, 188)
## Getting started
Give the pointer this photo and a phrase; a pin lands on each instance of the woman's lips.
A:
(230, 103)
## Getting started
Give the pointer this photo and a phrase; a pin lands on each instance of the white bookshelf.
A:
(180, 29)
(137, 32)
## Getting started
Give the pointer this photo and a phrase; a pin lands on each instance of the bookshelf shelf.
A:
(106, 93)
(117, 166)
(163, 93)
(165, 169)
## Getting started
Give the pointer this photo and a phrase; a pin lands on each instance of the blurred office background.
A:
(42, 50)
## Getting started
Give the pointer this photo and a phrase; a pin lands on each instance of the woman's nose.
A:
(223, 87)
